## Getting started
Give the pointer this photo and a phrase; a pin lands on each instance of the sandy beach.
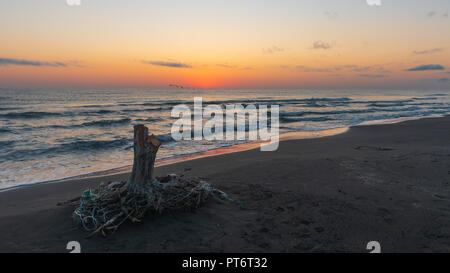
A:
(385, 183)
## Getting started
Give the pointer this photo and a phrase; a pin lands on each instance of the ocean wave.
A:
(151, 119)
(425, 98)
(101, 112)
(380, 101)
(160, 103)
(165, 138)
(387, 104)
(93, 145)
(159, 109)
(350, 111)
(10, 108)
(6, 143)
(425, 103)
(249, 101)
(442, 107)
(334, 112)
(108, 122)
(30, 115)
(406, 109)
(5, 130)
(399, 115)
(279, 101)
(96, 105)
(68, 148)
(311, 119)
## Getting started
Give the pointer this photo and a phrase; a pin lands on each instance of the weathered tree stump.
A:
(145, 149)
(104, 209)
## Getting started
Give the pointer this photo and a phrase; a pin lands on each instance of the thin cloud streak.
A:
(427, 67)
(167, 64)
(22, 62)
(273, 50)
(321, 45)
(374, 76)
(429, 51)
(354, 68)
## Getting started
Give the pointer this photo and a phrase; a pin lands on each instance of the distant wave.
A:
(108, 122)
(244, 101)
(387, 104)
(151, 119)
(278, 101)
(334, 112)
(425, 98)
(39, 115)
(380, 101)
(147, 109)
(101, 112)
(29, 115)
(10, 108)
(312, 119)
(98, 123)
(96, 105)
(164, 103)
(350, 111)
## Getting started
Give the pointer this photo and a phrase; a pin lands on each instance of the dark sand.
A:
(332, 194)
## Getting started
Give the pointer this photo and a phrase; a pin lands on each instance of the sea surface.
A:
(50, 134)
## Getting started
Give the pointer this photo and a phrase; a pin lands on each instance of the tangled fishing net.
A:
(107, 207)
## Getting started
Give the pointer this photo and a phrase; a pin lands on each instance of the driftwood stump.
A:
(104, 209)
(145, 149)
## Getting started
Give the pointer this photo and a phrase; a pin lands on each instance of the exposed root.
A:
(104, 209)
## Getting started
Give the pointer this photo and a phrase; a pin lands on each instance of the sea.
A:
(52, 134)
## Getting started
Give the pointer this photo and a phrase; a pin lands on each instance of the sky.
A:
(225, 43)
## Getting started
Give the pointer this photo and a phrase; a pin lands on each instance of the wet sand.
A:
(386, 183)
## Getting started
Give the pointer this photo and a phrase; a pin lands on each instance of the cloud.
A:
(331, 15)
(354, 68)
(374, 3)
(227, 66)
(273, 50)
(314, 69)
(321, 45)
(431, 14)
(372, 75)
(429, 51)
(21, 62)
(427, 67)
(167, 64)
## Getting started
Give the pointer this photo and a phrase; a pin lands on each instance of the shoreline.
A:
(219, 151)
